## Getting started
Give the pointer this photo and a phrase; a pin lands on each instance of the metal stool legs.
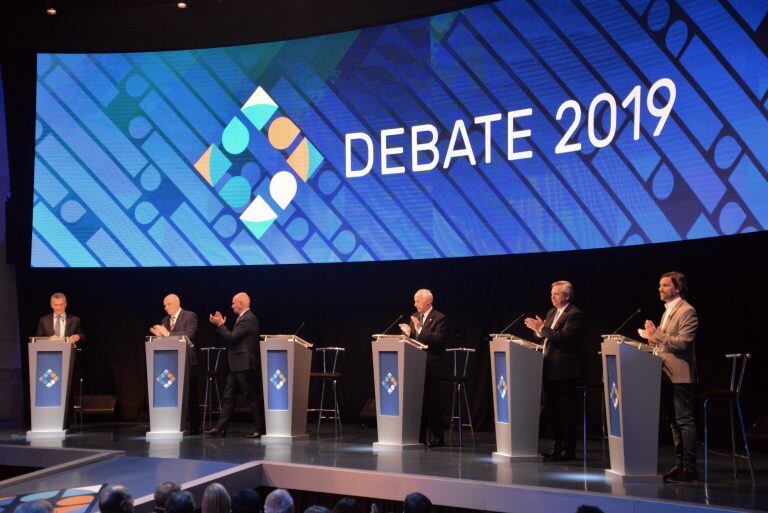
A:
(211, 408)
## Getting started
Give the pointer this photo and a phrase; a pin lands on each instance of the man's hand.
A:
(534, 323)
(159, 330)
(416, 323)
(650, 329)
(74, 338)
(217, 319)
(405, 329)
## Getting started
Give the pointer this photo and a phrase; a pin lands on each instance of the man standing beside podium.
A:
(674, 339)
(183, 323)
(561, 333)
(244, 365)
(427, 326)
(59, 323)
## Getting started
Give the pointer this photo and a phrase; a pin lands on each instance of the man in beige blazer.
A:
(674, 339)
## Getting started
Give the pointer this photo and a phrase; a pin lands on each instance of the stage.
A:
(452, 476)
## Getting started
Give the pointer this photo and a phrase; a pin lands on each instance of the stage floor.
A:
(145, 464)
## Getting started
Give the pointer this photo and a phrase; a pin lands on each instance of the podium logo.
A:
(501, 386)
(260, 111)
(615, 397)
(389, 383)
(48, 378)
(278, 379)
(166, 379)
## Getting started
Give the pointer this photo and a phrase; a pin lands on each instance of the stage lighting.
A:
(50, 8)
(181, 5)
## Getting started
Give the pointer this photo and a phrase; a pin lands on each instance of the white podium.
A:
(167, 386)
(50, 372)
(399, 364)
(285, 366)
(516, 370)
(632, 386)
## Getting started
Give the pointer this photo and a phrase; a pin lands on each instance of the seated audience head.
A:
(162, 492)
(416, 503)
(246, 501)
(216, 499)
(279, 501)
(348, 505)
(34, 507)
(180, 502)
(588, 509)
(116, 499)
(317, 509)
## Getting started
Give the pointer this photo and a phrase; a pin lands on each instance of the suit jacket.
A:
(186, 325)
(433, 334)
(676, 343)
(46, 323)
(242, 343)
(563, 356)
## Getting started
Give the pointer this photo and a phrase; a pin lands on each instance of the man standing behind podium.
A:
(244, 365)
(427, 326)
(674, 339)
(562, 335)
(183, 323)
(59, 323)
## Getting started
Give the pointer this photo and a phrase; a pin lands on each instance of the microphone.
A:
(616, 331)
(512, 323)
(299, 328)
(393, 323)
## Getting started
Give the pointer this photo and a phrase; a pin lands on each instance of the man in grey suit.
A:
(180, 322)
(674, 340)
(244, 365)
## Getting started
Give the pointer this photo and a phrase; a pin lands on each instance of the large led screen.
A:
(512, 127)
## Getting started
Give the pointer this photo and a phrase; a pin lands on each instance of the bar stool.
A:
(211, 403)
(585, 389)
(731, 394)
(459, 382)
(330, 360)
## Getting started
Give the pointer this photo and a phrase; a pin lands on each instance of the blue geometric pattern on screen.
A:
(191, 158)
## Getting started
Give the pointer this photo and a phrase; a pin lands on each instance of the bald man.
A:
(244, 376)
(179, 323)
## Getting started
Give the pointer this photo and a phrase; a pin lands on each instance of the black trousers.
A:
(247, 383)
(677, 409)
(561, 410)
(433, 407)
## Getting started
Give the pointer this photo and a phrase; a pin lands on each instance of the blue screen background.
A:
(191, 158)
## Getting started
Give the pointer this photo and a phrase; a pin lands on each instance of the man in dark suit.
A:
(180, 322)
(561, 333)
(427, 326)
(674, 340)
(244, 365)
(59, 323)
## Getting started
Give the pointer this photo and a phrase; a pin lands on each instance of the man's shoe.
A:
(255, 434)
(215, 433)
(436, 442)
(684, 476)
(672, 472)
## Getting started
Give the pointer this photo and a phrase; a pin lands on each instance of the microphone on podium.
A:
(393, 323)
(616, 331)
(512, 323)
(299, 328)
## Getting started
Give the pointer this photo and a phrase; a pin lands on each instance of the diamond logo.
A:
(389, 383)
(278, 379)
(501, 386)
(614, 396)
(48, 378)
(166, 379)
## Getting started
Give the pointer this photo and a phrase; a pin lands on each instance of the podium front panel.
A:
(49, 392)
(277, 370)
(614, 395)
(502, 387)
(166, 384)
(389, 393)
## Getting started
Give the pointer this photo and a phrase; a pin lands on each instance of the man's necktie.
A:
(57, 327)
(172, 323)
(421, 319)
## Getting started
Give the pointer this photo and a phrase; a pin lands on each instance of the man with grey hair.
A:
(427, 325)
(59, 323)
(180, 323)
(116, 499)
(279, 501)
(561, 333)
(244, 365)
